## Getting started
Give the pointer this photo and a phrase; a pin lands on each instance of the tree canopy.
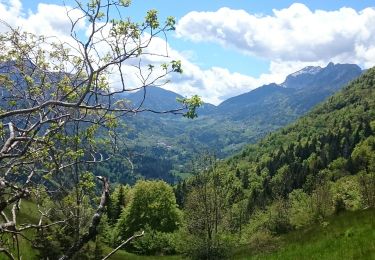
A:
(153, 204)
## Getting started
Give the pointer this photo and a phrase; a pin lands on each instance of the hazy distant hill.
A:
(156, 99)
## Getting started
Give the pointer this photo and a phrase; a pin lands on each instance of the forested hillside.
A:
(322, 164)
(330, 141)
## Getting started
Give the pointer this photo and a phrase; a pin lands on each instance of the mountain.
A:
(159, 99)
(170, 142)
(260, 96)
(299, 92)
(296, 95)
(155, 98)
(162, 145)
(316, 77)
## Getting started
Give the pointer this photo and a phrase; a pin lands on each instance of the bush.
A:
(155, 243)
(262, 241)
(278, 222)
(196, 247)
(347, 194)
(322, 201)
(264, 224)
(153, 205)
(300, 211)
(367, 188)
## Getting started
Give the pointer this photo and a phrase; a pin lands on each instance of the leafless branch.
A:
(122, 244)
(95, 221)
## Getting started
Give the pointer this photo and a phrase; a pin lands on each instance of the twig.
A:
(7, 253)
(122, 244)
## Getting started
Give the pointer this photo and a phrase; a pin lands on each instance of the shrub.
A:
(347, 194)
(155, 243)
(300, 211)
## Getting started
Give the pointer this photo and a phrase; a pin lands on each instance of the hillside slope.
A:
(350, 235)
(335, 139)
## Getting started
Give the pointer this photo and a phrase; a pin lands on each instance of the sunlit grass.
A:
(351, 235)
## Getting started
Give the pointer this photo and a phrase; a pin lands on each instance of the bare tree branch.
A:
(122, 244)
(95, 221)
(7, 253)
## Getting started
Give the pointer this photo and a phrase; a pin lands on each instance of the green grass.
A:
(122, 255)
(350, 235)
(28, 214)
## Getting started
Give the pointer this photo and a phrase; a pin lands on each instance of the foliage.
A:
(205, 210)
(117, 202)
(347, 194)
(156, 243)
(152, 205)
(301, 210)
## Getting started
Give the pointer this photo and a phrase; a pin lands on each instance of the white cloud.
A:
(48, 20)
(214, 84)
(291, 34)
(10, 12)
(51, 20)
(289, 38)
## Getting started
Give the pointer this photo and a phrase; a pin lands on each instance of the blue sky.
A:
(228, 52)
(207, 55)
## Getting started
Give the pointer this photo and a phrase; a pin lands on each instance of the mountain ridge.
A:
(308, 77)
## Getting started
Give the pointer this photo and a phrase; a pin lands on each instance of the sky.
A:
(231, 47)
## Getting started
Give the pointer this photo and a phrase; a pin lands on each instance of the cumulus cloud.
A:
(48, 20)
(292, 34)
(214, 84)
(10, 12)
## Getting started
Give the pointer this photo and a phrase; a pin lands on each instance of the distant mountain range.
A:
(295, 96)
(162, 145)
(300, 91)
(226, 128)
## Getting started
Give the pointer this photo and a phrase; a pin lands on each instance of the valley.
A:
(234, 130)
(172, 142)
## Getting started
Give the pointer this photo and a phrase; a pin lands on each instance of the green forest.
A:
(82, 178)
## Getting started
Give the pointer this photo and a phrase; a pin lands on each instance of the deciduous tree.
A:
(52, 89)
